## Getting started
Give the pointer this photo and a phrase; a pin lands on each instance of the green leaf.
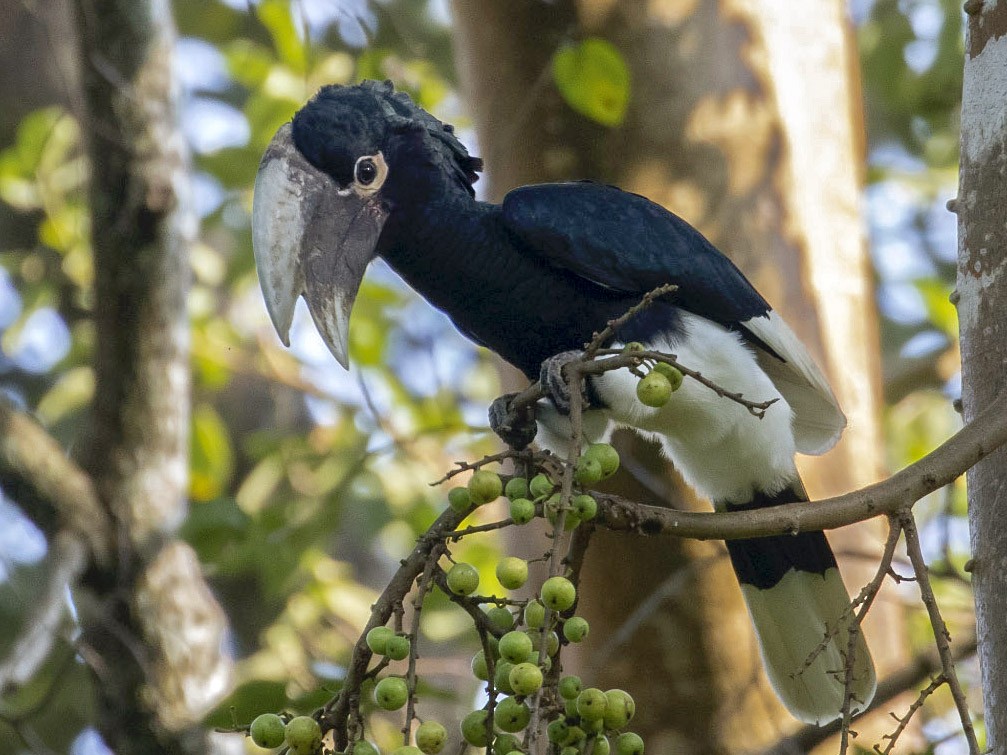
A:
(275, 15)
(593, 78)
(212, 458)
(248, 62)
(71, 393)
(942, 313)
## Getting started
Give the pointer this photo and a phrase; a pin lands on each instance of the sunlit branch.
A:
(976, 440)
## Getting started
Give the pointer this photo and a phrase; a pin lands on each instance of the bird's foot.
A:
(515, 426)
(555, 384)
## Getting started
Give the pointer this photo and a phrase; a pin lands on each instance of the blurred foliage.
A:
(594, 79)
(307, 483)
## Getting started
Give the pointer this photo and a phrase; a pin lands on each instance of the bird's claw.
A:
(515, 427)
(554, 382)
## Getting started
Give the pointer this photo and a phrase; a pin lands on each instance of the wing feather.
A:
(627, 243)
(818, 420)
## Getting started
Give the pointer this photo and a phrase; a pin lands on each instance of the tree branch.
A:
(36, 473)
(909, 677)
(977, 439)
(941, 634)
(150, 624)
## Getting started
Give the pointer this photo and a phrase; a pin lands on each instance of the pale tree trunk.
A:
(744, 120)
(152, 631)
(982, 309)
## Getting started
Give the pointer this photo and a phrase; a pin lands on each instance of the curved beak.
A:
(310, 238)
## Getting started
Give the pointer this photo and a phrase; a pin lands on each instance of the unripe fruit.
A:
(494, 644)
(484, 486)
(525, 678)
(397, 647)
(653, 390)
(391, 693)
(501, 677)
(431, 737)
(473, 728)
(620, 709)
(591, 704)
(586, 507)
(517, 487)
(511, 715)
(633, 346)
(407, 750)
(459, 499)
(673, 374)
(512, 572)
(558, 593)
(377, 639)
(570, 687)
(463, 579)
(267, 730)
(552, 509)
(606, 455)
(569, 751)
(540, 485)
(363, 747)
(575, 629)
(500, 617)
(522, 510)
(480, 670)
(557, 731)
(629, 744)
(570, 706)
(534, 614)
(505, 744)
(588, 470)
(515, 647)
(574, 736)
(303, 735)
(551, 644)
(601, 745)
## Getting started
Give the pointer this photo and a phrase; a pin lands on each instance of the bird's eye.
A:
(366, 171)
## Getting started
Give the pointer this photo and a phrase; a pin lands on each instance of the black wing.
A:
(625, 242)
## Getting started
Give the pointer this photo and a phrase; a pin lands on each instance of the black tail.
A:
(796, 598)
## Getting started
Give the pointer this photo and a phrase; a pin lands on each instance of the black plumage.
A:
(536, 276)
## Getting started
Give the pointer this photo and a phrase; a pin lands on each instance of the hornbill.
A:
(361, 171)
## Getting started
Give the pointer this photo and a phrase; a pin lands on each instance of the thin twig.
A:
(910, 676)
(608, 332)
(335, 714)
(616, 359)
(941, 635)
(866, 596)
(465, 466)
(422, 588)
(903, 722)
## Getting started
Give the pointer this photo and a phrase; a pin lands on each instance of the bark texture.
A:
(151, 628)
(742, 119)
(982, 305)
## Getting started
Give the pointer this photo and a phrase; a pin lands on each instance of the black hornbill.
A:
(361, 172)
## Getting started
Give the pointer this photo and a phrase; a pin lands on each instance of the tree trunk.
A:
(742, 120)
(982, 304)
(151, 629)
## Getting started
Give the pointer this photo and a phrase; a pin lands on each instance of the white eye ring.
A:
(369, 173)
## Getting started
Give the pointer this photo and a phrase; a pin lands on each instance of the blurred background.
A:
(309, 483)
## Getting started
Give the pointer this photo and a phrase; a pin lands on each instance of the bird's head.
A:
(325, 187)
